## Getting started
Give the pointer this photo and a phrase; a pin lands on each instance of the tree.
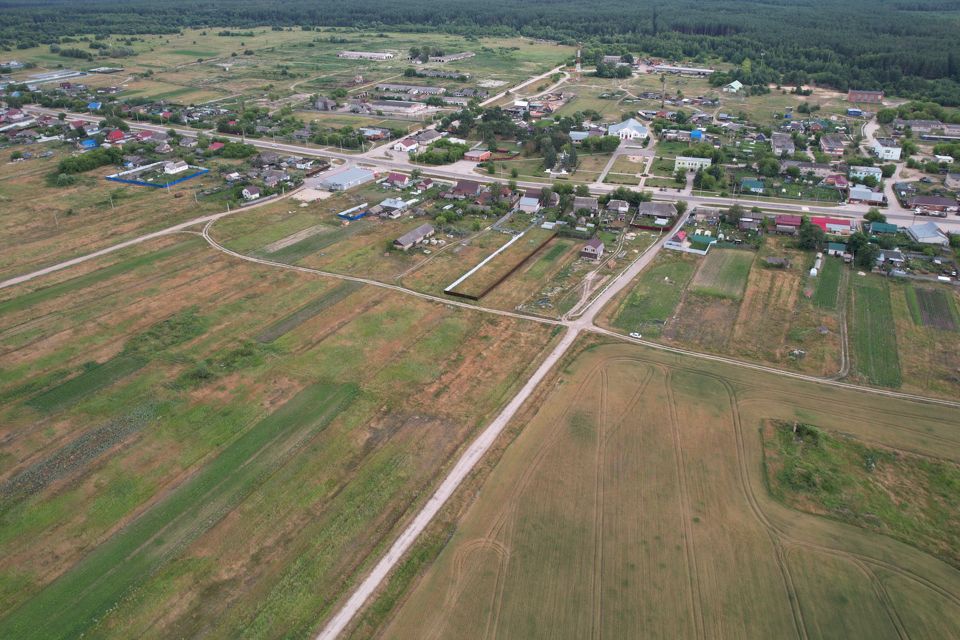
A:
(866, 258)
(733, 215)
(874, 215)
(888, 170)
(681, 206)
(810, 236)
(514, 173)
(680, 176)
(582, 190)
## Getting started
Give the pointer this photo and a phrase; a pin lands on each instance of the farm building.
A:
(593, 250)
(477, 155)
(365, 55)
(864, 97)
(689, 163)
(416, 236)
(397, 106)
(453, 57)
(348, 179)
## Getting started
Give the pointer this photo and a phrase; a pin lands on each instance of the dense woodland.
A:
(907, 47)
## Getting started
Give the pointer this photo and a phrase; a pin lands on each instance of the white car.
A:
(634, 334)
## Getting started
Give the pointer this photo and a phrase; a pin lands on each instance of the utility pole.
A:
(663, 90)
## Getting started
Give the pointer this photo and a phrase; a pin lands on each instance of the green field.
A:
(827, 290)
(654, 298)
(723, 273)
(873, 334)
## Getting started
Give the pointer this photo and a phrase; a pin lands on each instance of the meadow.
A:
(633, 502)
(193, 445)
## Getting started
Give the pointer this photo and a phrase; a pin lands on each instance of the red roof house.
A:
(215, 146)
(115, 136)
(842, 226)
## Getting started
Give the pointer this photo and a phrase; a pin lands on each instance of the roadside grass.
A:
(72, 604)
(303, 314)
(655, 296)
(723, 273)
(896, 493)
(873, 333)
(828, 284)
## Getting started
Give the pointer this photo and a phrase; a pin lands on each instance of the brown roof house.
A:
(593, 250)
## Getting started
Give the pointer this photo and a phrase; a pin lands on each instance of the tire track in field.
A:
(596, 623)
(880, 591)
(693, 575)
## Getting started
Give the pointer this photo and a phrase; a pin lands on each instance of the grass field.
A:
(873, 333)
(928, 357)
(826, 292)
(480, 282)
(269, 432)
(723, 273)
(633, 500)
(654, 298)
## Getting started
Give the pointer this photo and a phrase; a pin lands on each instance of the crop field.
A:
(482, 280)
(723, 273)
(928, 355)
(651, 303)
(42, 224)
(522, 286)
(461, 255)
(194, 445)
(873, 332)
(934, 308)
(827, 291)
(633, 503)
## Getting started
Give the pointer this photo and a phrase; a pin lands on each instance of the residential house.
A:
(836, 249)
(115, 136)
(398, 180)
(407, 145)
(838, 226)
(250, 193)
(877, 228)
(173, 168)
(751, 185)
(734, 87)
(952, 181)
(690, 163)
(584, 202)
(832, 144)
(933, 204)
(893, 257)
(529, 204)
(862, 194)
(787, 224)
(782, 144)
(618, 206)
(213, 147)
(464, 189)
(748, 224)
(593, 249)
(629, 129)
(414, 237)
(860, 173)
(654, 215)
(886, 149)
(928, 233)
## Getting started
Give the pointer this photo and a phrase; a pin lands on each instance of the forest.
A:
(906, 47)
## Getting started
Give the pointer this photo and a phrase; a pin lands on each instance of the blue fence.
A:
(141, 183)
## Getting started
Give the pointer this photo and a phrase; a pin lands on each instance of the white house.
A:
(173, 168)
(886, 149)
(733, 87)
(859, 173)
(689, 163)
(407, 145)
(629, 129)
(250, 193)
(529, 204)
(928, 233)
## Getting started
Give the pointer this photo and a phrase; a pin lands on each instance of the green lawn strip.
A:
(72, 604)
(655, 297)
(906, 496)
(137, 352)
(325, 300)
(94, 277)
(873, 333)
(539, 268)
(913, 305)
(828, 284)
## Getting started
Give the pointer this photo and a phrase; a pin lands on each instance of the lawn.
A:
(873, 334)
(723, 273)
(827, 289)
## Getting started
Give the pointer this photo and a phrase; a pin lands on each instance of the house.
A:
(618, 206)
(864, 97)
(882, 227)
(215, 146)
(891, 256)
(552, 201)
(748, 224)
(88, 144)
(733, 87)
(593, 250)
(751, 185)
(250, 193)
(782, 144)
(837, 181)
(933, 204)
(836, 249)
(348, 179)
(866, 195)
(398, 180)
(394, 204)
(654, 215)
(629, 129)
(928, 233)
(274, 177)
(416, 236)
(407, 145)
(816, 169)
(173, 168)
(583, 202)
(464, 189)
(839, 226)
(832, 144)
(787, 224)
(477, 155)
(529, 204)
(689, 163)
(886, 149)
(427, 136)
(132, 162)
(860, 173)
(115, 136)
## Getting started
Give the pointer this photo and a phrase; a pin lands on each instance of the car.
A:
(634, 334)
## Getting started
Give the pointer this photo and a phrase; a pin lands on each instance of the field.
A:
(542, 268)
(194, 445)
(488, 276)
(929, 358)
(827, 291)
(633, 503)
(654, 298)
(873, 333)
(723, 273)
(934, 308)
(42, 224)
